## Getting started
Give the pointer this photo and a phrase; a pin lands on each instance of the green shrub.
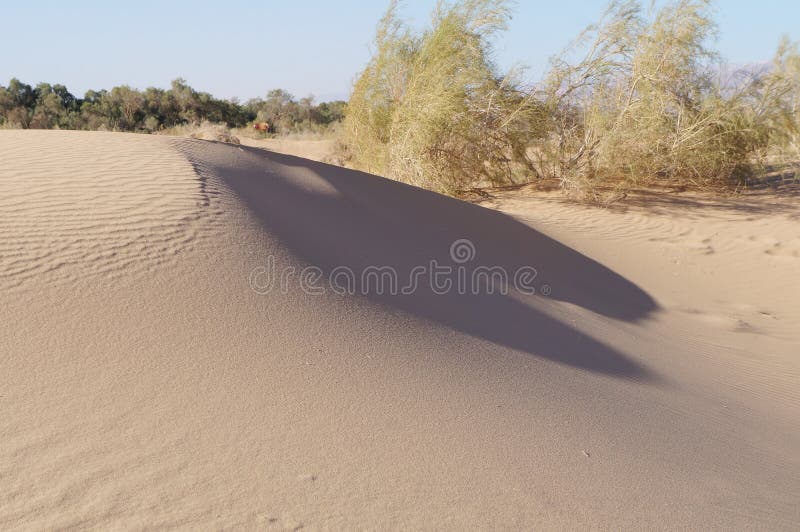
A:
(648, 104)
(780, 101)
(431, 110)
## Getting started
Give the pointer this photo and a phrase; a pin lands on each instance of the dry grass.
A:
(204, 131)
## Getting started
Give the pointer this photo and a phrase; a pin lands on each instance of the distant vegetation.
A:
(638, 98)
(123, 108)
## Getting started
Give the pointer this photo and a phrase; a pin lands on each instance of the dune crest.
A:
(79, 204)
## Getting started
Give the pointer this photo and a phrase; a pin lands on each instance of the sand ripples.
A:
(73, 207)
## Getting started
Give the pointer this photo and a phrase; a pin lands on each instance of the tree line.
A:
(123, 108)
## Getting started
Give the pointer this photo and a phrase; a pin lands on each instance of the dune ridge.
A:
(147, 384)
(79, 208)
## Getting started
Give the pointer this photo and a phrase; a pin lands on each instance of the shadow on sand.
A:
(331, 217)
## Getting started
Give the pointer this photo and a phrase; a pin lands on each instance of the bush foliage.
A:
(431, 110)
(638, 98)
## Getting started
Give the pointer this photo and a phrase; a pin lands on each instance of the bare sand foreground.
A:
(145, 383)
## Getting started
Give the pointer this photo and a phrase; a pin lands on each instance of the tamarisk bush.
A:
(640, 98)
(431, 110)
(648, 104)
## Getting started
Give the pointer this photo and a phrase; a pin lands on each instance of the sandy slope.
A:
(321, 150)
(145, 383)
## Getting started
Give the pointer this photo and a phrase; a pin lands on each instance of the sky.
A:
(243, 48)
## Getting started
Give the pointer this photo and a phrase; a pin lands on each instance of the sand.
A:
(320, 150)
(152, 379)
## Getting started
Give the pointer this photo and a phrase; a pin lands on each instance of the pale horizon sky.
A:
(243, 48)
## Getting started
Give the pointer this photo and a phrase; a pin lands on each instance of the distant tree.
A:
(17, 103)
(328, 112)
(95, 111)
(127, 107)
(55, 107)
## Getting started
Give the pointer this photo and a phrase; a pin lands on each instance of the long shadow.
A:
(333, 217)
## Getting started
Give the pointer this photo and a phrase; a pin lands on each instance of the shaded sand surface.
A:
(145, 383)
(315, 149)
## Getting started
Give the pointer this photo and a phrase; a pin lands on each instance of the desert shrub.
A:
(580, 96)
(376, 94)
(431, 110)
(152, 124)
(779, 100)
(204, 131)
(647, 103)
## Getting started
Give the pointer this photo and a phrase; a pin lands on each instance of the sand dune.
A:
(156, 374)
(321, 150)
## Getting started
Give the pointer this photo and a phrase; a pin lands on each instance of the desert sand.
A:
(316, 149)
(150, 380)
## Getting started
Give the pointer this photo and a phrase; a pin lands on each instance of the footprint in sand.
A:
(723, 322)
(790, 250)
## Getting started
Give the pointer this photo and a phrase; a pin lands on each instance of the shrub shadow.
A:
(332, 217)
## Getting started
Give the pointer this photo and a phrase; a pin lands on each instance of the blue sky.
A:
(245, 47)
